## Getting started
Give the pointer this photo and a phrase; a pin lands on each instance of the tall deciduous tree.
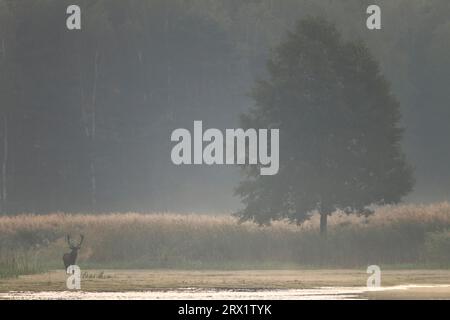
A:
(339, 131)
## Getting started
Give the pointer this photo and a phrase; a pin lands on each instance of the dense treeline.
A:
(86, 116)
(88, 122)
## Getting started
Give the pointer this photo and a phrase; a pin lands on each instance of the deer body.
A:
(70, 258)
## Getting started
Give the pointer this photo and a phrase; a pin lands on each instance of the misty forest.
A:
(86, 118)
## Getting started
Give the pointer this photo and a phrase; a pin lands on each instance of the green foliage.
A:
(18, 262)
(90, 130)
(437, 248)
(339, 130)
(162, 64)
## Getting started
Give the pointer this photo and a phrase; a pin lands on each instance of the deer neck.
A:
(74, 253)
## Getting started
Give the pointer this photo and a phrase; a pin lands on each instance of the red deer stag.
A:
(71, 257)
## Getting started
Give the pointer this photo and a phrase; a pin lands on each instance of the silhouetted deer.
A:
(71, 257)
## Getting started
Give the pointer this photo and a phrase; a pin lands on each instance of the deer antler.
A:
(81, 240)
(68, 241)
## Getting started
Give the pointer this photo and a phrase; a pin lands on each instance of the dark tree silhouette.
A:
(86, 115)
(339, 131)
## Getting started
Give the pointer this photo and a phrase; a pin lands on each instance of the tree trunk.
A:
(323, 223)
(4, 194)
(4, 186)
(92, 136)
(88, 116)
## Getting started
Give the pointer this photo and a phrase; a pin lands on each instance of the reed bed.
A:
(394, 235)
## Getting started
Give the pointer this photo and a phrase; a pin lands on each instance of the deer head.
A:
(71, 258)
(72, 246)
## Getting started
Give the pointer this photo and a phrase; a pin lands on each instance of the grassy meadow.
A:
(408, 236)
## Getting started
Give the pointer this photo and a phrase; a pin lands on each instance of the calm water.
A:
(187, 294)
(329, 293)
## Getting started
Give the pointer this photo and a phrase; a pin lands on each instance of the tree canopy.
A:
(340, 138)
(158, 65)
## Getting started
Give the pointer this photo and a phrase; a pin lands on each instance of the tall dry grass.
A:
(407, 234)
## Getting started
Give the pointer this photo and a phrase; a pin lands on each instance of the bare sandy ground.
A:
(245, 284)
